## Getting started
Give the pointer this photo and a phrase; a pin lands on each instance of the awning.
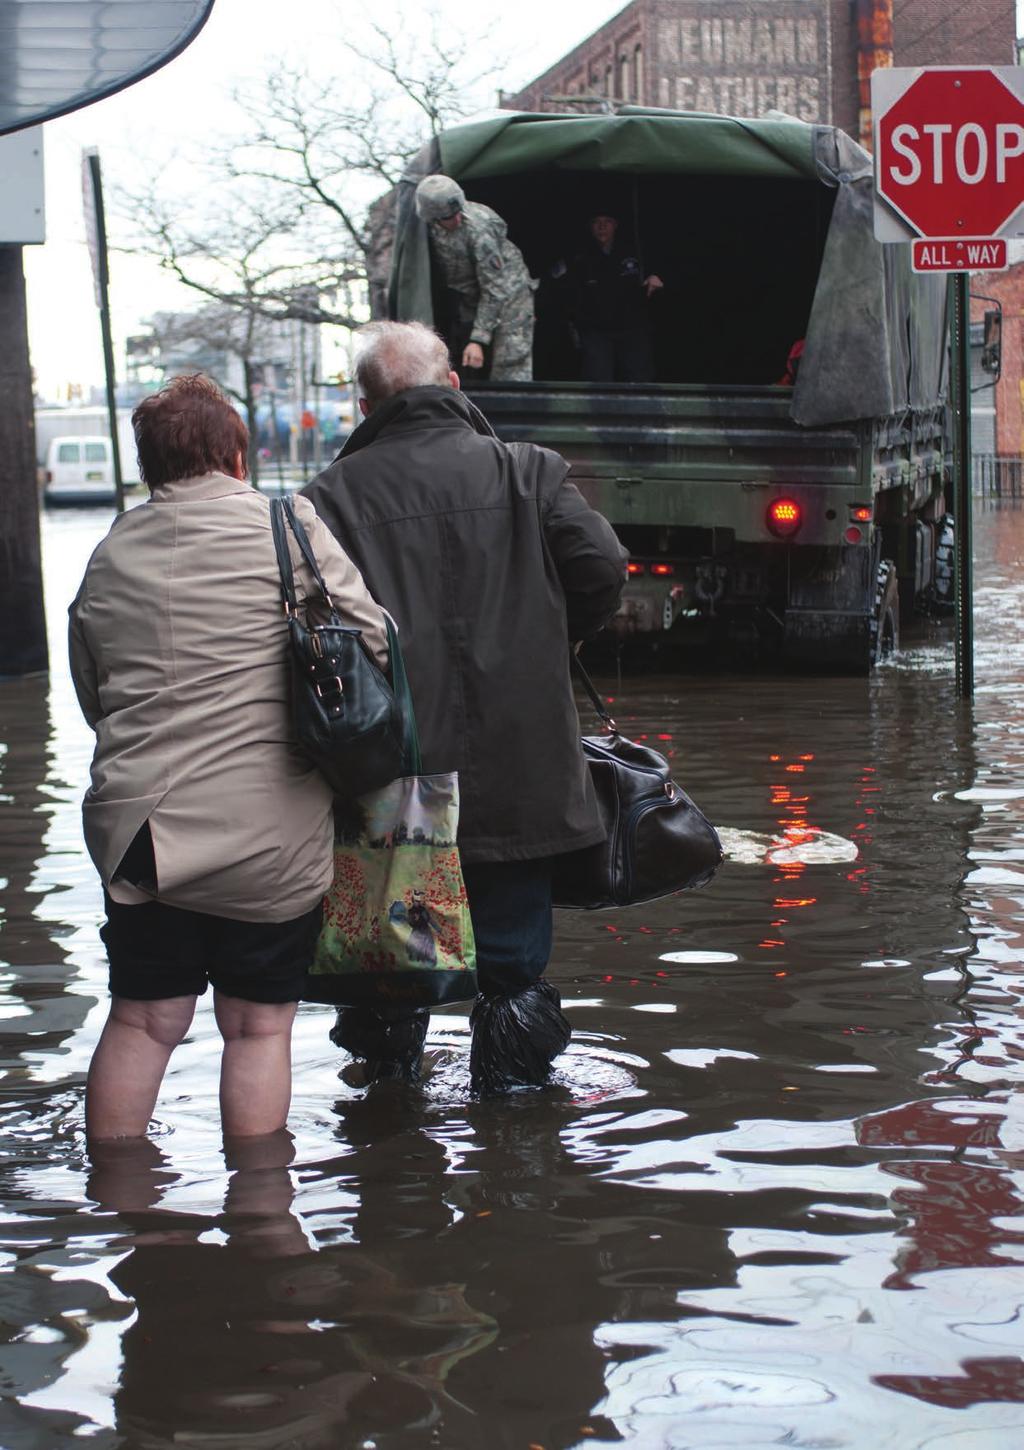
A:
(58, 55)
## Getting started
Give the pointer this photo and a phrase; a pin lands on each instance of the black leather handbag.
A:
(349, 721)
(658, 841)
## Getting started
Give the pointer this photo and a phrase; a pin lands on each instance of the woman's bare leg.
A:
(128, 1065)
(256, 1068)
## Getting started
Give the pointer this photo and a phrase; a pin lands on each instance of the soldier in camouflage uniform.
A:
(470, 245)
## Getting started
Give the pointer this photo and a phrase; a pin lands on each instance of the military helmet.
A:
(438, 198)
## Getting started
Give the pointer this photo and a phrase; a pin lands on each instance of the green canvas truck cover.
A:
(875, 338)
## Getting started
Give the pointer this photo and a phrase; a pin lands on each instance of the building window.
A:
(624, 77)
(638, 75)
(609, 81)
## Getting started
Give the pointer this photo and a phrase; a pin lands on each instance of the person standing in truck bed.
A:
(609, 307)
(486, 272)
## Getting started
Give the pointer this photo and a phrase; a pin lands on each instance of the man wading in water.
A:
(493, 565)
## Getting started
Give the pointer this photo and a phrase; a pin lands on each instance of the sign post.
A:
(963, 552)
(949, 179)
(96, 236)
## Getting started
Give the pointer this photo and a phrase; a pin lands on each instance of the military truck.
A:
(796, 519)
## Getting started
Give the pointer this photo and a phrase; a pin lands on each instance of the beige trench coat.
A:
(179, 658)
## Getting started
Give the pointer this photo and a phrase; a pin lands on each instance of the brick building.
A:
(810, 58)
(1007, 290)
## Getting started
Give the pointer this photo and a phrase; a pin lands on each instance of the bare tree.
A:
(334, 150)
(292, 222)
(201, 340)
(248, 261)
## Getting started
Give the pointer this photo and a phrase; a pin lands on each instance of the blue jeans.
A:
(510, 904)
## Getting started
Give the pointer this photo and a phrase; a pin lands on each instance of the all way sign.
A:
(959, 254)
(949, 154)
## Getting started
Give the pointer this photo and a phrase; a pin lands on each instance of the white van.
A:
(79, 470)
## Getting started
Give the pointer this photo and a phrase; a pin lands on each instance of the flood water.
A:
(774, 1196)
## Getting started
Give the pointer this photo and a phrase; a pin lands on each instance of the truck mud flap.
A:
(830, 641)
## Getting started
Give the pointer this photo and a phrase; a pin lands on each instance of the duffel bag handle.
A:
(595, 698)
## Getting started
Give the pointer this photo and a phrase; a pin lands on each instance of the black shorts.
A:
(157, 951)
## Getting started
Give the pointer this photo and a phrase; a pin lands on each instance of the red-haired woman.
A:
(212, 836)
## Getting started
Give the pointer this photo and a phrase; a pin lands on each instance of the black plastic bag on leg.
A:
(516, 1038)
(391, 1045)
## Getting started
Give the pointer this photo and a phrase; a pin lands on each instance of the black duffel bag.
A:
(348, 720)
(658, 842)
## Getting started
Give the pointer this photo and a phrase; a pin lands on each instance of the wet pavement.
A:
(774, 1196)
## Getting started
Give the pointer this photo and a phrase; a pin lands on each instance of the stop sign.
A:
(949, 149)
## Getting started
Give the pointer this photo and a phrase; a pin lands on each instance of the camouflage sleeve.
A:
(487, 237)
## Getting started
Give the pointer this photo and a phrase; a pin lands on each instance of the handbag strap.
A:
(591, 689)
(282, 516)
(284, 558)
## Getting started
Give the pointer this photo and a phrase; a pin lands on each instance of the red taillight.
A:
(663, 571)
(633, 568)
(784, 517)
(860, 513)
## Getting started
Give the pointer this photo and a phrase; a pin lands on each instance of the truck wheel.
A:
(885, 623)
(945, 552)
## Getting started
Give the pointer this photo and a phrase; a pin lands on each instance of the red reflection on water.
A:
(793, 830)
(951, 1206)
(982, 1379)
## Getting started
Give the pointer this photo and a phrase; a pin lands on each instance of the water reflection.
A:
(952, 1209)
(774, 1195)
(220, 1348)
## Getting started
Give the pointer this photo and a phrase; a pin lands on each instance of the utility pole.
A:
(23, 648)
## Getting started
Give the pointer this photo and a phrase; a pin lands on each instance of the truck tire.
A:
(885, 622)
(945, 556)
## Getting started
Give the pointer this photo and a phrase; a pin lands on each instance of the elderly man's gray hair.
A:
(394, 356)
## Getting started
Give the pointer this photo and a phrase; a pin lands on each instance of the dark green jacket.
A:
(491, 563)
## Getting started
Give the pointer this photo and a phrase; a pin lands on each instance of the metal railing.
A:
(995, 477)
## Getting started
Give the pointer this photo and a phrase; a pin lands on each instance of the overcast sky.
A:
(189, 100)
